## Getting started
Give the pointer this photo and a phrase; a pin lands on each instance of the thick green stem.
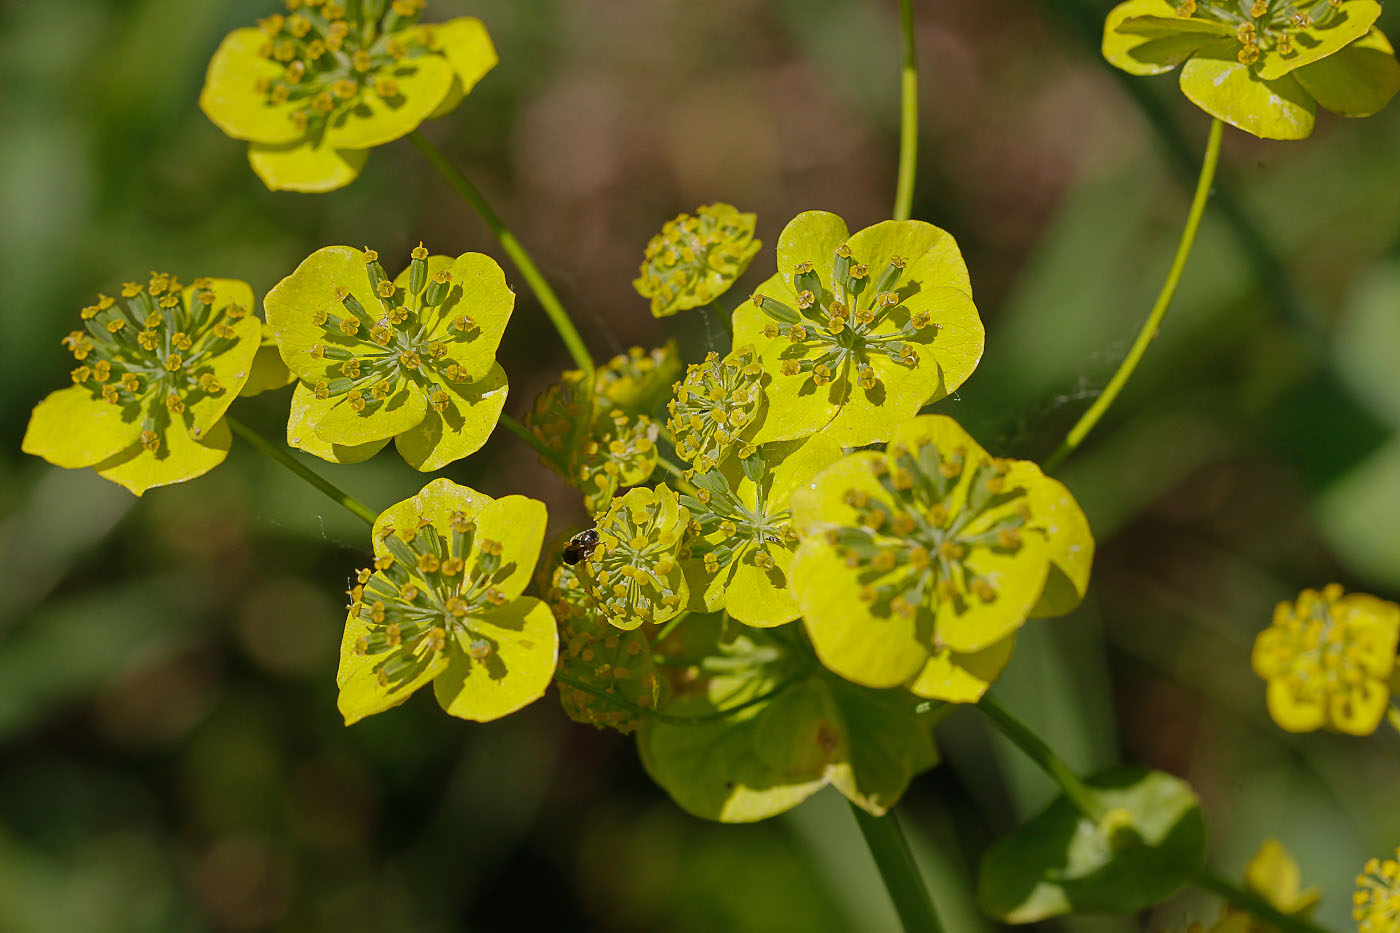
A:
(1153, 323)
(528, 270)
(1043, 755)
(1210, 880)
(272, 451)
(900, 872)
(522, 432)
(909, 115)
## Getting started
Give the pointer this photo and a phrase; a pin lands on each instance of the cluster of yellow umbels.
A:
(1263, 25)
(921, 550)
(152, 348)
(614, 662)
(695, 259)
(371, 352)
(1328, 659)
(833, 329)
(1376, 904)
(634, 574)
(714, 406)
(422, 593)
(331, 55)
(599, 452)
(637, 381)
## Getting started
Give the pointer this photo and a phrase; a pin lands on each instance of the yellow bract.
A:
(1327, 659)
(1273, 874)
(313, 91)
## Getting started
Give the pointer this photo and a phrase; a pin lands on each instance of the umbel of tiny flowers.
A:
(1327, 659)
(314, 90)
(918, 564)
(443, 603)
(1261, 65)
(616, 663)
(741, 535)
(634, 574)
(157, 369)
(1273, 874)
(860, 332)
(1376, 903)
(411, 359)
(716, 407)
(600, 439)
(694, 260)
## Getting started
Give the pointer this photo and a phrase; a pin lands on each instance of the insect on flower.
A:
(580, 546)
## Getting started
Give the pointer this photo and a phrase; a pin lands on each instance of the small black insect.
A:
(580, 546)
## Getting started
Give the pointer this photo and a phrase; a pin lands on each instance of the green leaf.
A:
(230, 97)
(472, 412)
(1128, 45)
(1232, 92)
(769, 757)
(1151, 842)
(306, 167)
(1356, 81)
(524, 648)
(1335, 29)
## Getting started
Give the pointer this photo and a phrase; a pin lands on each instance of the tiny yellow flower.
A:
(694, 260)
(312, 92)
(1327, 659)
(1376, 903)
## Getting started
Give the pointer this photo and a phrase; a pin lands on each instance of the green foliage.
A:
(772, 728)
(1149, 841)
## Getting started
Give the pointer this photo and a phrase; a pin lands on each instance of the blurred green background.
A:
(170, 753)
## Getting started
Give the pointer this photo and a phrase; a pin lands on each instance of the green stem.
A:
(909, 115)
(1210, 880)
(1392, 716)
(1043, 755)
(723, 317)
(528, 270)
(678, 473)
(1153, 323)
(272, 451)
(900, 872)
(522, 432)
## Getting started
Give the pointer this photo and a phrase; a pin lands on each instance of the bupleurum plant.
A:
(833, 564)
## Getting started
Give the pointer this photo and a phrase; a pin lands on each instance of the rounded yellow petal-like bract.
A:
(1349, 21)
(422, 83)
(1229, 91)
(468, 415)
(306, 167)
(1356, 81)
(181, 457)
(230, 97)
(469, 51)
(1146, 37)
(306, 412)
(963, 678)
(71, 429)
(524, 649)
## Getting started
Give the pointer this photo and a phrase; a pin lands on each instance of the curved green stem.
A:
(272, 451)
(1153, 323)
(909, 115)
(1211, 880)
(1043, 755)
(528, 270)
(522, 432)
(900, 872)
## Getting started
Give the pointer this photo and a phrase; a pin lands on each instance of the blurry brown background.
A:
(170, 753)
